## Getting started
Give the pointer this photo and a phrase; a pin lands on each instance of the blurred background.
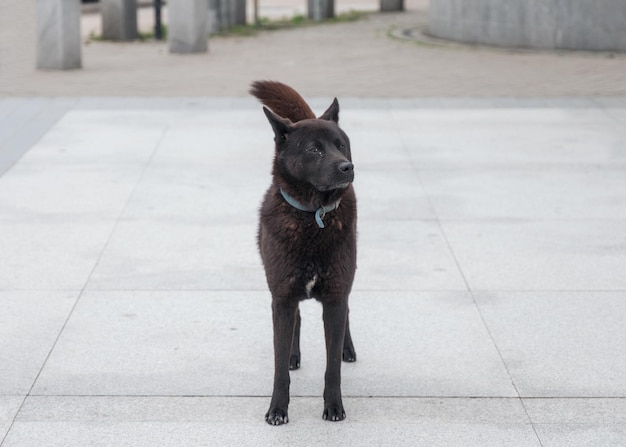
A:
(422, 49)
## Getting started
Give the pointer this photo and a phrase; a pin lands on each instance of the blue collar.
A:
(319, 212)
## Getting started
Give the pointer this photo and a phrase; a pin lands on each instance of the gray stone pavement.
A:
(490, 296)
(488, 307)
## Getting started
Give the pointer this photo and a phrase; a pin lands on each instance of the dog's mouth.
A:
(332, 187)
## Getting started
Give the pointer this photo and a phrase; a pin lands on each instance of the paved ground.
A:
(490, 297)
(488, 307)
(351, 59)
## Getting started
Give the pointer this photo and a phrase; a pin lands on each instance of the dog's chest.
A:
(308, 287)
(312, 275)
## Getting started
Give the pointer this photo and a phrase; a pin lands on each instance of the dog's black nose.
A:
(346, 167)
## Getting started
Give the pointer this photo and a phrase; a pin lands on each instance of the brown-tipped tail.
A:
(282, 99)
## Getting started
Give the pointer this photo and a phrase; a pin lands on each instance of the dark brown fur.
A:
(313, 165)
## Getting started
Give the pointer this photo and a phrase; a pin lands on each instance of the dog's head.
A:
(313, 153)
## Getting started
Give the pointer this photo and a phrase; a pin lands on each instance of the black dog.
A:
(307, 238)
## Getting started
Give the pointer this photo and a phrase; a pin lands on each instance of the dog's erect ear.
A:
(281, 126)
(332, 113)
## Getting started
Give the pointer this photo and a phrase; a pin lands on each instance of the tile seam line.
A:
(84, 288)
(415, 169)
(482, 318)
(123, 211)
(607, 111)
(360, 290)
(316, 396)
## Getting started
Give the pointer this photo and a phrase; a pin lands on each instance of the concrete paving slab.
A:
(566, 344)
(45, 194)
(169, 343)
(50, 256)
(539, 254)
(30, 323)
(207, 195)
(552, 193)
(374, 139)
(421, 344)
(389, 192)
(220, 343)
(211, 139)
(610, 411)
(100, 138)
(69, 421)
(618, 113)
(610, 102)
(9, 406)
(405, 255)
(179, 255)
(580, 422)
(522, 138)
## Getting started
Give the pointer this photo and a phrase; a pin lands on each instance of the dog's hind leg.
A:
(294, 359)
(334, 314)
(284, 313)
(349, 354)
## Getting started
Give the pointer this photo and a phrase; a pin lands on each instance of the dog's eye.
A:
(315, 148)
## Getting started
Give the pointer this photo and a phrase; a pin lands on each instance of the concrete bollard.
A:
(58, 34)
(224, 14)
(119, 19)
(188, 26)
(239, 12)
(321, 9)
(214, 17)
(391, 5)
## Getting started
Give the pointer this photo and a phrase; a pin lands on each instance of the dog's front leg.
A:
(335, 313)
(284, 320)
(349, 354)
(294, 359)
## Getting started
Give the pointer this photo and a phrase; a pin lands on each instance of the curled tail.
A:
(282, 99)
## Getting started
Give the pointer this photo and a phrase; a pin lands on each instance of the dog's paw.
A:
(334, 413)
(294, 362)
(276, 416)
(349, 355)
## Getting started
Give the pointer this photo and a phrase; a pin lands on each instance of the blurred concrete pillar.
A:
(223, 14)
(58, 34)
(239, 12)
(215, 25)
(392, 5)
(321, 9)
(119, 19)
(188, 27)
